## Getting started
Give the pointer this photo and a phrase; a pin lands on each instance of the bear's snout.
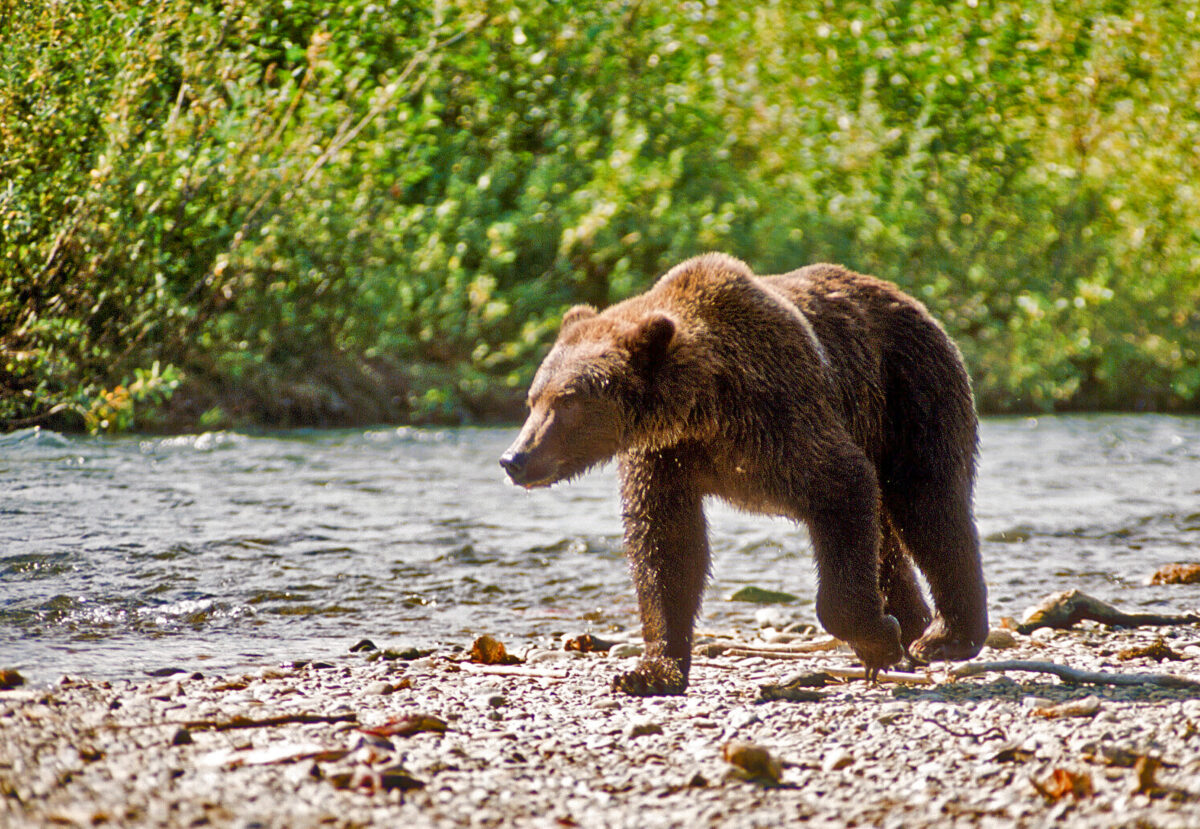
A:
(515, 464)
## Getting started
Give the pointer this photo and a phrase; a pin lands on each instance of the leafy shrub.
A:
(317, 212)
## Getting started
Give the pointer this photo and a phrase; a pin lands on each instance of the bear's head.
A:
(591, 393)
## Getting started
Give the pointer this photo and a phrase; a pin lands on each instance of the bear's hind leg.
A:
(842, 514)
(936, 527)
(898, 583)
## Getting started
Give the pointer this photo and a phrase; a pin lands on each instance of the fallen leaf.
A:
(1176, 574)
(587, 643)
(752, 762)
(489, 651)
(1146, 767)
(407, 726)
(1062, 782)
(1089, 706)
(1157, 650)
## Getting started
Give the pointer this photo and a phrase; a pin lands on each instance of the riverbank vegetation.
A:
(313, 212)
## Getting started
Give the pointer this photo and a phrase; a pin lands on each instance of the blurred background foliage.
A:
(288, 212)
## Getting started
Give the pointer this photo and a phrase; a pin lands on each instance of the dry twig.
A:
(1073, 675)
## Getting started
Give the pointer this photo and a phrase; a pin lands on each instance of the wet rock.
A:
(182, 737)
(407, 654)
(10, 678)
(759, 595)
(363, 645)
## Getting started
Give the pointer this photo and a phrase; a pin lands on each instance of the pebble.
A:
(626, 650)
(552, 745)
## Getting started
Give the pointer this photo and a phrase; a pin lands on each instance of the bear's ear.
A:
(649, 341)
(579, 312)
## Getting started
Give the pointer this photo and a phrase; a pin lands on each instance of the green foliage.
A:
(317, 211)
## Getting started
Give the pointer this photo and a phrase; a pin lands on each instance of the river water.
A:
(209, 552)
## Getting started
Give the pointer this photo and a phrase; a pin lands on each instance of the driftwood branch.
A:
(503, 670)
(1068, 674)
(800, 651)
(899, 677)
(266, 722)
(1063, 610)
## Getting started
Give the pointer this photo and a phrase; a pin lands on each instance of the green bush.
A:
(333, 212)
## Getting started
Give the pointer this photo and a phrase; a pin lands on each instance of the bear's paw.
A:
(655, 677)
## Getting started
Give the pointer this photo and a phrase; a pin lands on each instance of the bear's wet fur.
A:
(823, 395)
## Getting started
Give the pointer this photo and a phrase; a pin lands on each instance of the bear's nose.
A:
(514, 464)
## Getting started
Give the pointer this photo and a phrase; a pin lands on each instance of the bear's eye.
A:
(569, 397)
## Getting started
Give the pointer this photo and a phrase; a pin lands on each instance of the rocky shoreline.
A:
(391, 739)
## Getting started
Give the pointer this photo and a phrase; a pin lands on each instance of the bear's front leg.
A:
(667, 546)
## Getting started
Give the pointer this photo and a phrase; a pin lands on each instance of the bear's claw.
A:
(882, 651)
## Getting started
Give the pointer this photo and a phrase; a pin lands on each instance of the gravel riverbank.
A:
(547, 744)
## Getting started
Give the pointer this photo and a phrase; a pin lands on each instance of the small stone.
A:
(9, 679)
(626, 650)
(753, 762)
(182, 737)
(396, 777)
(379, 687)
(742, 717)
(645, 729)
(772, 617)
(837, 759)
(363, 645)
(1001, 639)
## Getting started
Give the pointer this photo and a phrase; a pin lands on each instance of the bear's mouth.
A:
(528, 478)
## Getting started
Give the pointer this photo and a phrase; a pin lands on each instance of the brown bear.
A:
(823, 395)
